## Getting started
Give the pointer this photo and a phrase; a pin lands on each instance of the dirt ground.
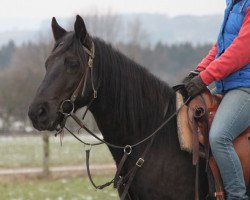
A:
(54, 173)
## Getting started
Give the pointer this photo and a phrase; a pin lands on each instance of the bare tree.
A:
(137, 39)
(19, 82)
(137, 35)
(107, 26)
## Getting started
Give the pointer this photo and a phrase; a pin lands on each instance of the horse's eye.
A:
(72, 65)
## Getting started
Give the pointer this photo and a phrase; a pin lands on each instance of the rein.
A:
(122, 183)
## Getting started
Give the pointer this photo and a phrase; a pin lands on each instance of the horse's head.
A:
(66, 67)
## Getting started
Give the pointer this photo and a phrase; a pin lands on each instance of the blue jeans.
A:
(231, 119)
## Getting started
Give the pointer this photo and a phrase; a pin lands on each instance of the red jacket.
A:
(236, 56)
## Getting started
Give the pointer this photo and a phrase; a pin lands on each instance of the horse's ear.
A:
(80, 28)
(58, 31)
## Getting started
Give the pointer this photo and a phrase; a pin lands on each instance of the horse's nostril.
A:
(41, 113)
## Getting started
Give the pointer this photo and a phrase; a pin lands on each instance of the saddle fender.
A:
(201, 112)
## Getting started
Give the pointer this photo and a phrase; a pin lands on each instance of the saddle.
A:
(200, 114)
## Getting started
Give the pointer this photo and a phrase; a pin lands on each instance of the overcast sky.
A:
(12, 11)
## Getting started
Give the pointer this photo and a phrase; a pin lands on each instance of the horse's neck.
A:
(109, 127)
(131, 120)
(112, 132)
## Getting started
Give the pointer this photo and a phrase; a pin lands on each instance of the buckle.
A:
(139, 162)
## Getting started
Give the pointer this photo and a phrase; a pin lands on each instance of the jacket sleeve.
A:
(235, 57)
(208, 59)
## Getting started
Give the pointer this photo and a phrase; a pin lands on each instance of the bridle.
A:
(82, 84)
(122, 183)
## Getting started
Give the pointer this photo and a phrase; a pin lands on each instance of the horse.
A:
(129, 104)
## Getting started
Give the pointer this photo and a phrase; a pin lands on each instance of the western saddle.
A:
(201, 112)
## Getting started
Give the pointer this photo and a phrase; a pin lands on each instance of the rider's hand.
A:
(191, 75)
(195, 86)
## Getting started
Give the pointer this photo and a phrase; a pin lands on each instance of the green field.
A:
(28, 152)
(60, 189)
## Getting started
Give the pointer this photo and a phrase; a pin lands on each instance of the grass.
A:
(28, 152)
(60, 189)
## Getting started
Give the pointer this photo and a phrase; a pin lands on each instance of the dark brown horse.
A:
(131, 104)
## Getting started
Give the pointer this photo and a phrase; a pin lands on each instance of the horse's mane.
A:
(141, 101)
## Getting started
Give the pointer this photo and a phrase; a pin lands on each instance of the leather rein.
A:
(122, 183)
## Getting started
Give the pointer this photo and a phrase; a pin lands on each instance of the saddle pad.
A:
(183, 128)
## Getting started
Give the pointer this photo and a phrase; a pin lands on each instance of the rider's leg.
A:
(231, 119)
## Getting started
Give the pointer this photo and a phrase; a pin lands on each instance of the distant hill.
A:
(194, 29)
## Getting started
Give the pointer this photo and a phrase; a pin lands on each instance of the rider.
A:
(228, 64)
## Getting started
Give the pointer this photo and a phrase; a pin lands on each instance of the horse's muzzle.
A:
(41, 118)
